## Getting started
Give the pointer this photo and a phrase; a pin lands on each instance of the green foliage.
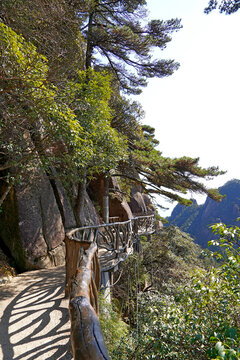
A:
(224, 6)
(41, 126)
(163, 263)
(126, 116)
(90, 95)
(70, 126)
(167, 177)
(201, 319)
(169, 257)
(31, 118)
(51, 26)
(113, 328)
(123, 38)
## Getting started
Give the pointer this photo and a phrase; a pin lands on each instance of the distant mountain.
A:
(196, 219)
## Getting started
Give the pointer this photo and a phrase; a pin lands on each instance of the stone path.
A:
(34, 320)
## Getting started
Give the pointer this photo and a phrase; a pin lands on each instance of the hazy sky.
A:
(196, 111)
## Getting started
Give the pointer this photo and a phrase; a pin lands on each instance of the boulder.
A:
(118, 206)
(62, 200)
(90, 214)
(140, 203)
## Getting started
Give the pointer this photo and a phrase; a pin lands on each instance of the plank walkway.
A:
(34, 320)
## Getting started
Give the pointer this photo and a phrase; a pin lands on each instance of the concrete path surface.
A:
(34, 320)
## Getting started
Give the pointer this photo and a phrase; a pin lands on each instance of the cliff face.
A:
(196, 219)
(37, 212)
(34, 218)
(30, 224)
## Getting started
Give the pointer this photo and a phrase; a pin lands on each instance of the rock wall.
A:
(37, 212)
(34, 218)
(31, 224)
(118, 206)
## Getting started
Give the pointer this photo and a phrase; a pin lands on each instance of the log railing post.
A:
(86, 336)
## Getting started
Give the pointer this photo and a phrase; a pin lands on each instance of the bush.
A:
(202, 319)
(113, 328)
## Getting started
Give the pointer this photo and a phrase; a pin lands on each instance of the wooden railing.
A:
(91, 250)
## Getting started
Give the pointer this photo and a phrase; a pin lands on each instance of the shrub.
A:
(201, 321)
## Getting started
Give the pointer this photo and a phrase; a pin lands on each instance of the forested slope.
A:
(177, 303)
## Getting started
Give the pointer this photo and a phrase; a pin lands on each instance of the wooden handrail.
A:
(91, 250)
(72, 231)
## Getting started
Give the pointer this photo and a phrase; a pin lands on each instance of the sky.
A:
(196, 110)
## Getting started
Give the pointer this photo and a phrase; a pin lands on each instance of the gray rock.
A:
(140, 203)
(63, 202)
(31, 224)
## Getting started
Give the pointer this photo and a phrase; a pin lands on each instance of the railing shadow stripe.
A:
(33, 329)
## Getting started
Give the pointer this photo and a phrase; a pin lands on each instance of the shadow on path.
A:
(35, 324)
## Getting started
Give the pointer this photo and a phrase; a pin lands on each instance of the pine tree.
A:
(53, 28)
(224, 6)
(118, 36)
(165, 176)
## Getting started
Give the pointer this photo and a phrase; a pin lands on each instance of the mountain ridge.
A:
(196, 219)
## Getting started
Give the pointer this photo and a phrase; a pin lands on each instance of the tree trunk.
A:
(5, 194)
(89, 50)
(80, 201)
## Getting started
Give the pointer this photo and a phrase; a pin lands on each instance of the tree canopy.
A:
(31, 119)
(42, 127)
(53, 28)
(119, 36)
(169, 177)
(62, 87)
(224, 6)
(180, 309)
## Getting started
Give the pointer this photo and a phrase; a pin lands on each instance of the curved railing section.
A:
(114, 241)
(91, 250)
(144, 225)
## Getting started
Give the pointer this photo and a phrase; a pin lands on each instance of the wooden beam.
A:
(86, 336)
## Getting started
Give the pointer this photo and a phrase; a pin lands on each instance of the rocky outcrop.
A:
(37, 212)
(91, 217)
(118, 206)
(63, 203)
(31, 224)
(140, 203)
(34, 218)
